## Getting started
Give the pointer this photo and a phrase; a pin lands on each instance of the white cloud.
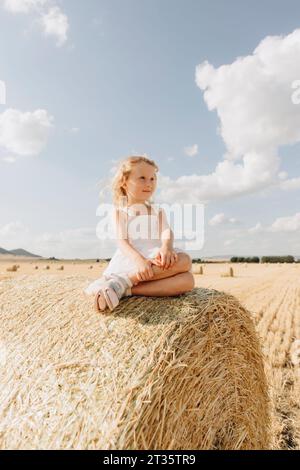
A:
(292, 183)
(55, 23)
(256, 229)
(286, 224)
(24, 133)
(191, 151)
(252, 97)
(49, 16)
(289, 223)
(12, 229)
(23, 6)
(222, 219)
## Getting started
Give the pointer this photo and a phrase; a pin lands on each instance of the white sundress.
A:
(143, 235)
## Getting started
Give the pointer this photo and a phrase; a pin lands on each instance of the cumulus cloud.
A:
(253, 100)
(13, 229)
(291, 183)
(24, 133)
(191, 151)
(256, 229)
(49, 16)
(286, 224)
(221, 218)
(23, 6)
(55, 23)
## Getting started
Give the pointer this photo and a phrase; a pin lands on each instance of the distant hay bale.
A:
(36, 267)
(197, 269)
(47, 267)
(181, 372)
(12, 269)
(91, 267)
(228, 273)
(61, 268)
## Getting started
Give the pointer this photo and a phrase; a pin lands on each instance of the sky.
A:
(210, 90)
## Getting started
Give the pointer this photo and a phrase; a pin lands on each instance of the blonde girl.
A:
(145, 262)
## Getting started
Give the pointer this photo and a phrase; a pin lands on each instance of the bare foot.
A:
(100, 303)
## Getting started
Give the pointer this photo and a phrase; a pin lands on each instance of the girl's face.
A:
(141, 183)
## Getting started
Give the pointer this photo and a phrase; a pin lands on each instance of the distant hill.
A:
(3, 252)
(220, 257)
(18, 252)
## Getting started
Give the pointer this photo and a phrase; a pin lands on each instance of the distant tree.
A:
(278, 259)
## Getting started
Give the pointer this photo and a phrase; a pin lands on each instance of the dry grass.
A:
(184, 372)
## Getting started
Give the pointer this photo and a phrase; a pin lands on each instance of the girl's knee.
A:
(187, 282)
(190, 281)
(184, 262)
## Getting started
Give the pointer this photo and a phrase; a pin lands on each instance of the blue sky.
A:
(119, 77)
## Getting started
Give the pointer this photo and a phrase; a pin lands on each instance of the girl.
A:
(146, 264)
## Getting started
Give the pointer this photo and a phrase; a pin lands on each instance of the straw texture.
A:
(182, 372)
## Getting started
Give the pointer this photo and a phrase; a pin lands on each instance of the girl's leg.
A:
(174, 285)
(183, 264)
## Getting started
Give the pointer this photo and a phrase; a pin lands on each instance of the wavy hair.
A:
(125, 166)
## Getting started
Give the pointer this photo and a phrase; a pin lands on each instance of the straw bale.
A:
(197, 269)
(182, 372)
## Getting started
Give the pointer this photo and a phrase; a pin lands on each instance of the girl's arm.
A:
(165, 232)
(122, 239)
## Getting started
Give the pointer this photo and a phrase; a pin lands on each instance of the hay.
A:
(12, 269)
(182, 372)
(196, 269)
(228, 273)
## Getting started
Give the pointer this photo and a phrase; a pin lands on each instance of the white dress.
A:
(143, 235)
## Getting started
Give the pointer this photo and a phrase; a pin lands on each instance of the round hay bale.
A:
(181, 372)
(12, 269)
(228, 273)
(196, 268)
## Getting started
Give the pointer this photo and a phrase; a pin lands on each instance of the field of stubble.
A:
(270, 292)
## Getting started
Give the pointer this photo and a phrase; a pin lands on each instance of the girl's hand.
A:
(144, 269)
(166, 257)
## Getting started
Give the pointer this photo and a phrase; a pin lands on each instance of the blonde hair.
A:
(122, 174)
